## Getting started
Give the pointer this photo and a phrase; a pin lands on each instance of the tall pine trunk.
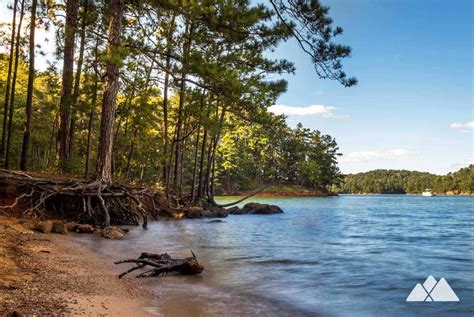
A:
(93, 107)
(9, 75)
(12, 95)
(130, 152)
(182, 95)
(66, 101)
(29, 96)
(89, 125)
(164, 162)
(165, 128)
(77, 79)
(201, 186)
(112, 68)
(214, 150)
(88, 147)
(196, 153)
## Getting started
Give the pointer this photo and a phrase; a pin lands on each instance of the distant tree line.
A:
(408, 182)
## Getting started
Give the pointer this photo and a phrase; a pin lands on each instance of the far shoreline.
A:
(315, 195)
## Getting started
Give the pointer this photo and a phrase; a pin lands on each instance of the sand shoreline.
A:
(50, 274)
(63, 275)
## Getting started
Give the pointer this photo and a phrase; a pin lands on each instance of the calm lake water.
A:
(337, 256)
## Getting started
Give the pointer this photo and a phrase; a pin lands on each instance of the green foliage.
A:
(195, 84)
(46, 96)
(412, 182)
(272, 152)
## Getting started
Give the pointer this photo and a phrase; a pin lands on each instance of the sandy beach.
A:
(48, 274)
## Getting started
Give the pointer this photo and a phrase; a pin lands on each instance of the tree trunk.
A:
(201, 187)
(183, 148)
(65, 103)
(7, 88)
(208, 167)
(51, 139)
(196, 152)
(211, 152)
(88, 149)
(112, 68)
(166, 168)
(182, 95)
(77, 79)
(89, 128)
(165, 129)
(115, 146)
(130, 153)
(213, 158)
(29, 95)
(91, 113)
(12, 95)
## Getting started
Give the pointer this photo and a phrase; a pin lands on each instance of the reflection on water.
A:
(336, 256)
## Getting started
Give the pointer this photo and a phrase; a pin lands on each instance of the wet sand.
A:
(54, 274)
(47, 274)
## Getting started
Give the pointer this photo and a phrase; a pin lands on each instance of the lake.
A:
(336, 256)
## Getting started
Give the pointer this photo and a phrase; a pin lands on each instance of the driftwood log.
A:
(163, 264)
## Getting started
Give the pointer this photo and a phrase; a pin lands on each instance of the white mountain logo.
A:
(433, 291)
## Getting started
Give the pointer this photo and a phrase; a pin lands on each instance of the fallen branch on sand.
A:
(163, 264)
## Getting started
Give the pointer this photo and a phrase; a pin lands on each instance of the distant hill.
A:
(408, 182)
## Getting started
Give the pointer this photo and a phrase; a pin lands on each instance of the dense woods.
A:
(172, 93)
(402, 182)
(276, 154)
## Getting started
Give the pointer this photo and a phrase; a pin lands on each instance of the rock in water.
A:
(112, 233)
(43, 226)
(59, 227)
(194, 212)
(85, 229)
(208, 212)
(214, 212)
(72, 226)
(255, 208)
(235, 211)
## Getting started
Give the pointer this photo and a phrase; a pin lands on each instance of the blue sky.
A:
(413, 106)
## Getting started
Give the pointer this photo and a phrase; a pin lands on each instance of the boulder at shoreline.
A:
(256, 209)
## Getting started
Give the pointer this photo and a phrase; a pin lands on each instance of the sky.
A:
(413, 106)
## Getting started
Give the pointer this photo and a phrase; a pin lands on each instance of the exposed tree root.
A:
(94, 203)
(163, 264)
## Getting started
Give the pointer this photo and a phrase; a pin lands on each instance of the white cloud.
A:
(313, 110)
(463, 126)
(364, 156)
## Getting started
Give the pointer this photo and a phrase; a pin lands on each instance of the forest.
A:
(171, 94)
(409, 182)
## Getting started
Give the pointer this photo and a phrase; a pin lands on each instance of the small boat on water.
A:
(427, 193)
